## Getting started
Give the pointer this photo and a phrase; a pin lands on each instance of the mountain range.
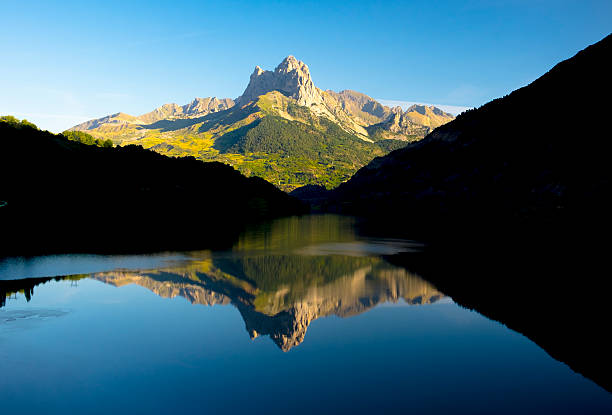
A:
(282, 128)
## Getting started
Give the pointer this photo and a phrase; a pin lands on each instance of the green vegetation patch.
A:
(88, 139)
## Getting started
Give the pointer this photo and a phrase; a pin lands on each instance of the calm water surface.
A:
(300, 316)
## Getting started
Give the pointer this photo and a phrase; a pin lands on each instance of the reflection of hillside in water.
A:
(296, 232)
(280, 295)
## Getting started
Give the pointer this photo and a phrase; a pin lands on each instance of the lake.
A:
(301, 315)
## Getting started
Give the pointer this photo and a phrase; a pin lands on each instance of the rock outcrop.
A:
(199, 107)
(365, 109)
(291, 77)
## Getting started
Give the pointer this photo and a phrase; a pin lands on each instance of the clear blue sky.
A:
(68, 61)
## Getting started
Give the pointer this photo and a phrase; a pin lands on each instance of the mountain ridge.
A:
(198, 107)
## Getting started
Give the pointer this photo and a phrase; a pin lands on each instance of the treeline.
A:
(88, 139)
(16, 123)
(78, 136)
(26, 286)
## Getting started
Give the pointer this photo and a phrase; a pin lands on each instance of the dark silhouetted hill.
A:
(60, 195)
(539, 154)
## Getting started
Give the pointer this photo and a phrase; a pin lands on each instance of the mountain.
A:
(282, 128)
(487, 164)
(67, 196)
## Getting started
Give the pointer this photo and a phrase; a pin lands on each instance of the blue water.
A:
(176, 338)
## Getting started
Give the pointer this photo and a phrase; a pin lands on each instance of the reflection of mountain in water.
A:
(280, 295)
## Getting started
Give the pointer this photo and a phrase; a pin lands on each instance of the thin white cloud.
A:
(453, 109)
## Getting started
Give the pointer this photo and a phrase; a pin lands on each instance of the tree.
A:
(15, 122)
(88, 139)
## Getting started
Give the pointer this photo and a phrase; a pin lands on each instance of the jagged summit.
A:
(290, 63)
(291, 77)
(196, 108)
(426, 109)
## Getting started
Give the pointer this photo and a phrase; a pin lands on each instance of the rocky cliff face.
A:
(199, 107)
(399, 124)
(202, 106)
(365, 109)
(291, 77)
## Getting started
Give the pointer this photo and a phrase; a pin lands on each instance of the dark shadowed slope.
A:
(60, 195)
(541, 152)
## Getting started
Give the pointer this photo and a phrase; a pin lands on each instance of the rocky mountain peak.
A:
(290, 64)
(291, 77)
(202, 106)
